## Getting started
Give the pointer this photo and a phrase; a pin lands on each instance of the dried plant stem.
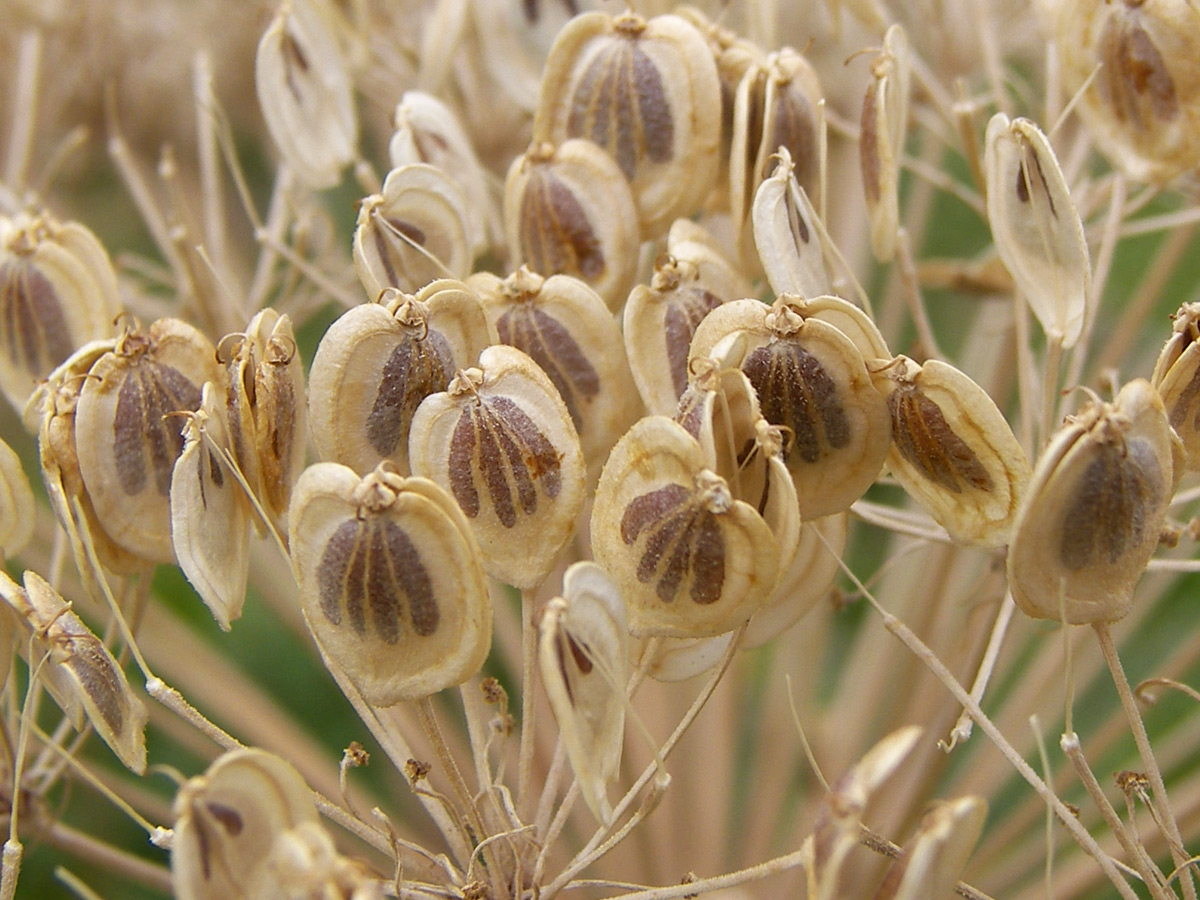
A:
(884, 847)
(910, 288)
(1054, 354)
(528, 704)
(1165, 814)
(1101, 269)
(112, 859)
(962, 728)
(23, 114)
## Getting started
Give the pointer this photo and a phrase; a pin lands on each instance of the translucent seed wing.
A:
(786, 234)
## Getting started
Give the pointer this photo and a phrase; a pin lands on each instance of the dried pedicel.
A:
(952, 449)
(390, 581)
(415, 230)
(1036, 227)
(569, 211)
(1091, 518)
(378, 361)
(786, 234)
(305, 94)
(81, 674)
(17, 511)
(228, 819)
(881, 141)
(58, 290)
(691, 560)
(126, 436)
(564, 327)
(583, 656)
(646, 92)
(690, 280)
(1177, 380)
(500, 440)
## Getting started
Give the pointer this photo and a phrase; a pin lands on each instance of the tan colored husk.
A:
(1175, 378)
(18, 514)
(883, 123)
(934, 859)
(786, 234)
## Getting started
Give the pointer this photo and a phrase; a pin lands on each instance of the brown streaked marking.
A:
(293, 60)
(556, 235)
(1187, 406)
(549, 344)
(683, 315)
(1029, 158)
(414, 369)
(276, 415)
(683, 544)
(792, 123)
(1107, 517)
(39, 337)
(1134, 78)
(868, 146)
(229, 820)
(94, 670)
(795, 390)
(690, 411)
(925, 439)
(144, 430)
(393, 243)
(579, 655)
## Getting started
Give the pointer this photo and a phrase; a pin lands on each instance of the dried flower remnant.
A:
(881, 142)
(390, 580)
(500, 440)
(17, 510)
(934, 859)
(952, 449)
(58, 290)
(690, 559)
(378, 361)
(646, 92)
(583, 656)
(786, 234)
(1177, 380)
(1091, 517)
(127, 436)
(305, 94)
(1141, 101)
(568, 211)
(1036, 227)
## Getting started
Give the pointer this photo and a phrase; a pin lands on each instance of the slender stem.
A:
(112, 859)
(528, 703)
(23, 114)
(910, 287)
(962, 728)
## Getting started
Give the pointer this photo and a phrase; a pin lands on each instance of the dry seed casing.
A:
(304, 862)
(1091, 517)
(305, 94)
(126, 436)
(1142, 58)
(415, 230)
(1177, 380)
(691, 280)
(58, 290)
(228, 819)
(881, 142)
(952, 449)
(786, 234)
(390, 581)
(210, 515)
(690, 560)
(378, 361)
(647, 93)
(564, 327)
(500, 440)
(17, 510)
(933, 860)
(1036, 227)
(569, 211)
(811, 379)
(583, 656)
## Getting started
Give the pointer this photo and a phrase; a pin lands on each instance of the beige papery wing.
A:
(883, 124)
(1177, 379)
(787, 235)
(932, 862)
(18, 513)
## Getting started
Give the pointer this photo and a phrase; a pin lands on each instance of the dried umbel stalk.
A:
(786, 234)
(1177, 380)
(1143, 101)
(1092, 515)
(390, 581)
(881, 142)
(934, 859)
(583, 657)
(660, 318)
(1036, 227)
(126, 436)
(378, 361)
(17, 510)
(953, 450)
(691, 560)
(80, 672)
(568, 211)
(210, 515)
(564, 327)
(58, 290)
(500, 440)
(228, 820)
(416, 230)
(811, 379)
(647, 93)
(305, 94)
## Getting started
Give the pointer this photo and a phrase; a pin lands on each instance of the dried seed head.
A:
(126, 435)
(564, 327)
(17, 510)
(58, 290)
(647, 93)
(952, 449)
(305, 94)
(1036, 227)
(390, 581)
(568, 211)
(377, 363)
(1091, 518)
(210, 515)
(501, 442)
(811, 379)
(884, 120)
(691, 560)
(690, 280)
(1177, 380)
(786, 234)
(933, 861)
(1143, 102)
(583, 656)
(228, 819)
